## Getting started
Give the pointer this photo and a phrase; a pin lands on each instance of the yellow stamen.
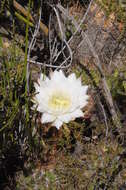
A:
(59, 101)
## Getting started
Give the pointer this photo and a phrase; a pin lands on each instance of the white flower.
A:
(60, 98)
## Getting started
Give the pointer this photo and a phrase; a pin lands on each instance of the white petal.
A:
(65, 117)
(57, 123)
(37, 87)
(41, 108)
(46, 118)
(83, 101)
(43, 81)
(84, 90)
(78, 113)
(78, 82)
(72, 77)
(83, 104)
(58, 76)
(74, 81)
(41, 101)
(71, 116)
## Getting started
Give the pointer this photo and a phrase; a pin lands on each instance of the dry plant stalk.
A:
(106, 89)
(54, 52)
(25, 13)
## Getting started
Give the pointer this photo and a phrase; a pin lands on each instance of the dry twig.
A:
(25, 13)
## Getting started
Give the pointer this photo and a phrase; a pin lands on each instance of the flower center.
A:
(59, 101)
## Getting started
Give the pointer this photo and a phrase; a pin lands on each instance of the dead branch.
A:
(31, 46)
(63, 40)
(25, 13)
(106, 89)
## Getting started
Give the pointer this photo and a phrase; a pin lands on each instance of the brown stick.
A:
(106, 89)
(25, 13)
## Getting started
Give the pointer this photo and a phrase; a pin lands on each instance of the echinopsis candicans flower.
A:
(60, 99)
